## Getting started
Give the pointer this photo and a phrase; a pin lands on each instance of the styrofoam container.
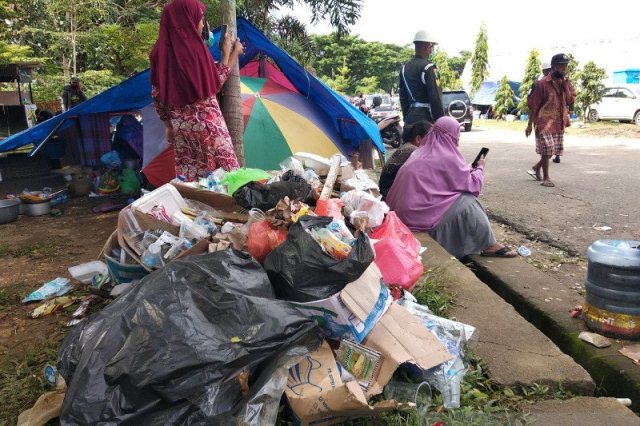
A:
(316, 162)
(86, 271)
(167, 195)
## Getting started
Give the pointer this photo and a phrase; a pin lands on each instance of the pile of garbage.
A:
(246, 286)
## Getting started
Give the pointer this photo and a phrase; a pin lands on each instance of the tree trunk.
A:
(231, 102)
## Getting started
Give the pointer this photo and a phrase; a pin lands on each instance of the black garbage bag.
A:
(301, 271)
(265, 197)
(170, 349)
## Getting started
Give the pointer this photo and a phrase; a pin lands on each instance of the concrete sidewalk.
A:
(581, 411)
(526, 288)
(516, 353)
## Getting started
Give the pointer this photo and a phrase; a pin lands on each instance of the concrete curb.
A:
(582, 411)
(516, 353)
(521, 287)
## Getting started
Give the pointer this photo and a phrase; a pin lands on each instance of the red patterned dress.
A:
(202, 140)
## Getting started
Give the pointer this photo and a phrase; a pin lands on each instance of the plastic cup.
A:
(415, 395)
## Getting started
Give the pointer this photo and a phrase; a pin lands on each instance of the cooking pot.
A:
(9, 210)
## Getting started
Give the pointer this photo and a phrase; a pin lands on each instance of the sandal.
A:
(548, 183)
(502, 252)
(533, 174)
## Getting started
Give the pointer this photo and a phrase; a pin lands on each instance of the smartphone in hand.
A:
(223, 33)
(483, 153)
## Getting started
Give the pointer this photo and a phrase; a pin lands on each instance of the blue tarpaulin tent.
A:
(134, 94)
(486, 93)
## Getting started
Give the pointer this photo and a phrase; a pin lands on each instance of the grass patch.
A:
(38, 250)
(431, 292)
(22, 380)
(10, 296)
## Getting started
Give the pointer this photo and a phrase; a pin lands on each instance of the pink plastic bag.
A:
(397, 264)
(392, 227)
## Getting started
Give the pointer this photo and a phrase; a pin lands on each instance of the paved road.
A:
(597, 184)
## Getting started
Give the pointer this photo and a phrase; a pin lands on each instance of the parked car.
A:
(457, 104)
(620, 102)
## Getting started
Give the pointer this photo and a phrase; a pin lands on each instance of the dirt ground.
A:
(34, 250)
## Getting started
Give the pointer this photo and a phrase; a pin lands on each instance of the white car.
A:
(620, 102)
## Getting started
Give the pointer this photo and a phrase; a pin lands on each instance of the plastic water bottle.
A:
(152, 257)
(60, 199)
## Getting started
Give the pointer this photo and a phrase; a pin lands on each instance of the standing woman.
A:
(185, 80)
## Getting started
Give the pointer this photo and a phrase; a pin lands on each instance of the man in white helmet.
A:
(420, 94)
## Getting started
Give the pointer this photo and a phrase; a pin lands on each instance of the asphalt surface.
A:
(597, 185)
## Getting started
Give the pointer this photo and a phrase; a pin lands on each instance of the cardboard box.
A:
(148, 222)
(225, 204)
(402, 338)
(316, 394)
(352, 313)
(121, 272)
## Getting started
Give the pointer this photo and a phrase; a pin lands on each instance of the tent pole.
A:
(49, 136)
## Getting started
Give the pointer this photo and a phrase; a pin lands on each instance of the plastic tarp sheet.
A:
(486, 93)
(135, 93)
(171, 349)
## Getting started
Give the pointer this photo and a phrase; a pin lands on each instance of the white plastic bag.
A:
(356, 201)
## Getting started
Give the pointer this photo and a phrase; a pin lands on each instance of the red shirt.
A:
(548, 104)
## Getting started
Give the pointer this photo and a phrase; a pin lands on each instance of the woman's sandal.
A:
(502, 252)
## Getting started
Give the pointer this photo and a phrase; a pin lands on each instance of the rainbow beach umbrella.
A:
(279, 121)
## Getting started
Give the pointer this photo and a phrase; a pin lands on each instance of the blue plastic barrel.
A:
(612, 303)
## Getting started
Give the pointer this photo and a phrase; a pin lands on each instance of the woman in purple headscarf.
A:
(436, 192)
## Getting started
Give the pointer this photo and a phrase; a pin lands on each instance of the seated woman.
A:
(412, 136)
(436, 191)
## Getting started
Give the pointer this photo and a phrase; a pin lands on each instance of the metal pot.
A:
(9, 210)
(38, 209)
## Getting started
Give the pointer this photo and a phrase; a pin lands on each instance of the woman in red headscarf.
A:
(185, 80)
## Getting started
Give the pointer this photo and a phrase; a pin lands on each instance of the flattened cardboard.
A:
(353, 312)
(317, 395)
(358, 297)
(401, 338)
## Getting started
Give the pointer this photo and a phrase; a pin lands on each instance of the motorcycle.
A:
(388, 124)
(390, 130)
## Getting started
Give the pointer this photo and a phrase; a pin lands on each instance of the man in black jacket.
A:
(72, 94)
(420, 94)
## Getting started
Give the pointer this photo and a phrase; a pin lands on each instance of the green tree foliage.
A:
(590, 88)
(572, 68)
(12, 53)
(49, 87)
(364, 59)
(368, 85)
(448, 78)
(115, 36)
(504, 99)
(340, 81)
(480, 60)
(340, 14)
(531, 74)
(457, 63)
